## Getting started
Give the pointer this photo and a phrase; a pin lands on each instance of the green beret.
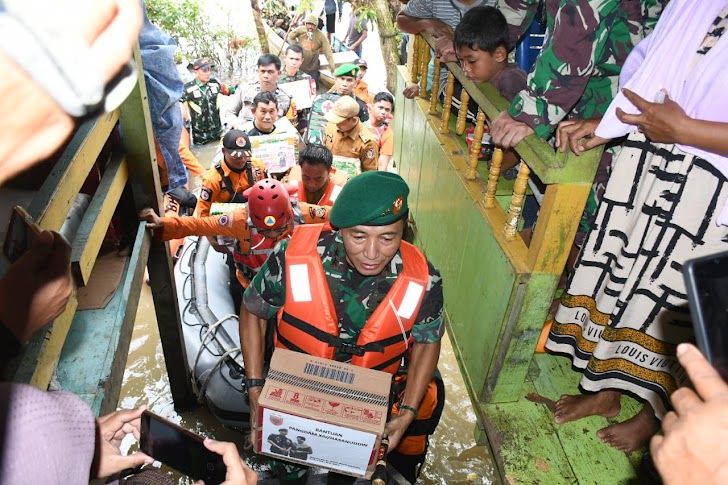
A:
(371, 199)
(347, 70)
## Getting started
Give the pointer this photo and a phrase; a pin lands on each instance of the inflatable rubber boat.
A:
(210, 331)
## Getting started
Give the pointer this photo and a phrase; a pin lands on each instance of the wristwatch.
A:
(250, 383)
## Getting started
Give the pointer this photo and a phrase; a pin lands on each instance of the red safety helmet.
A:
(269, 203)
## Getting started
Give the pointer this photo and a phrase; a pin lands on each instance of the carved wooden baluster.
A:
(447, 105)
(462, 112)
(475, 147)
(435, 87)
(493, 174)
(415, 67)
(516, 207)
(425, 57)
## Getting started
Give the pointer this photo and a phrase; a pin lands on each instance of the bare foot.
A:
(632, 434)
(571, 408)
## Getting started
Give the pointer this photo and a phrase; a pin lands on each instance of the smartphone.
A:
(180, 449)
(21, 233)
(706, 279)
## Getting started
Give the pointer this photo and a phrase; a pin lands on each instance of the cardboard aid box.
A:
(339, 409)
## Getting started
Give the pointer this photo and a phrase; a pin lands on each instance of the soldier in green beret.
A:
(345, 78)
(335, 286)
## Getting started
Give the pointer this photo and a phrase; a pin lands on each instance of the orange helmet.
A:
(269, 203)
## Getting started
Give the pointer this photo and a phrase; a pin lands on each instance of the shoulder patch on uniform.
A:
(370, 154)
(205, 193)
(224, 219)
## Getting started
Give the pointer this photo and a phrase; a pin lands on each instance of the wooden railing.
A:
(496, 368)
(88, 349)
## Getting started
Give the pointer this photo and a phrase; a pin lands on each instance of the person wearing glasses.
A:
(199, 103)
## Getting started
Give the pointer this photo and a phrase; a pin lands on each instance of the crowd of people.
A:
(647, 88)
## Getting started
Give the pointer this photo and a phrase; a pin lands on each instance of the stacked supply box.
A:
(323, 413)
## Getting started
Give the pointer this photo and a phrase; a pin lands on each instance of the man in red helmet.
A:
(268, 217)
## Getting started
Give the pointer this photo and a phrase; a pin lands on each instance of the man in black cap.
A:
(362, 279)
(233, 171)
(199, 103)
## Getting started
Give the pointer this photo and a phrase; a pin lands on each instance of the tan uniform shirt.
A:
(358, 143)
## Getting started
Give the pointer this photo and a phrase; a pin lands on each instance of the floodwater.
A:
(453, 457)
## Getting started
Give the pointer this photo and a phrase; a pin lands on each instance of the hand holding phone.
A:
(180, 449)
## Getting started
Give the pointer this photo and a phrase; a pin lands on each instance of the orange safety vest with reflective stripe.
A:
(380, 344)
(385, 338)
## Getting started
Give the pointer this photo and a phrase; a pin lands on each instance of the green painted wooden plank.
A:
(592, 461)
(526, 447)
(94, 356)
(137, 138)
(413, 148)
(518, 344)
(400, 106)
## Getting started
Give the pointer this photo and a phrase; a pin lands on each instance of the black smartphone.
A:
(21, 233)
(180, 449)
(706, 279)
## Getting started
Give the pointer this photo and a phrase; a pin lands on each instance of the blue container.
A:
(530, 46)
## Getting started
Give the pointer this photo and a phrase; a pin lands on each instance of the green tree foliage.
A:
(197, 36)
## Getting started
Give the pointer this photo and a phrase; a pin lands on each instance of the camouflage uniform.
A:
(355, 297)
(274, 10)
(205, 113)
(577, 73)
(285, 78)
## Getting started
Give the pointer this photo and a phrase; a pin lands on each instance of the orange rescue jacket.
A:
(308, 322)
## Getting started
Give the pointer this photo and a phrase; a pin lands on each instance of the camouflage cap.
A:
(371, 199)
(347, 70)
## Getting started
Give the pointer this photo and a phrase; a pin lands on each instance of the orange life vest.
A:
(385, 338)
(380, 344)
(336, 182)
(251, 254)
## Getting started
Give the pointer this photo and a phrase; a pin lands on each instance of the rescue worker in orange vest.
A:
(365, 297)
(268, 217)
(318, 182)
(233, 171)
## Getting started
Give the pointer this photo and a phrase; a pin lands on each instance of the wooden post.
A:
(435, 87)
(475, 147)
(415, 61)
(447, 105)
(462, 112)
(516, 206)
(493, 174)
(424, 67)
(137, 130)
